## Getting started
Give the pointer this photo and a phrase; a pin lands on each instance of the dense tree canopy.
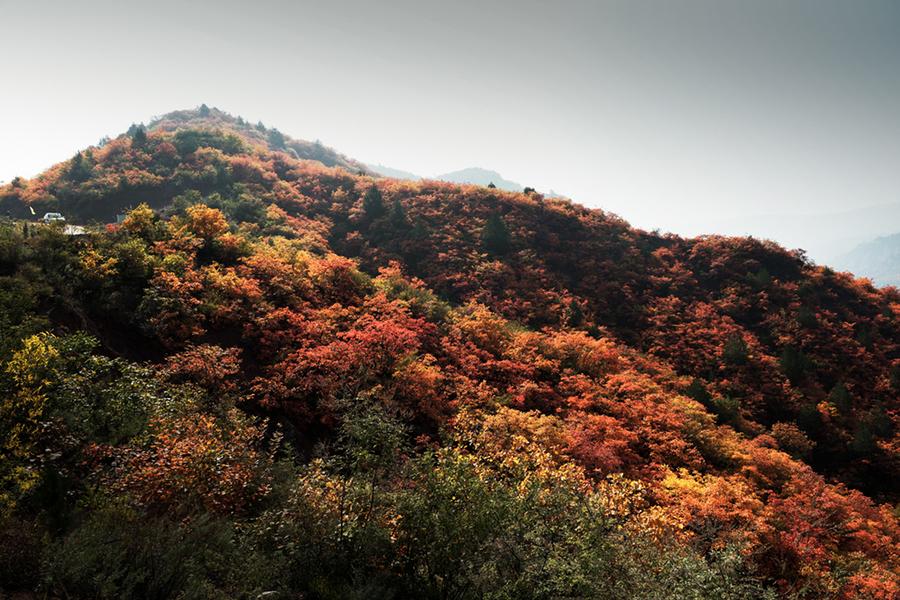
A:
(275, 375)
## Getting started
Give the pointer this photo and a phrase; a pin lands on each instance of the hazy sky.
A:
(673, 114)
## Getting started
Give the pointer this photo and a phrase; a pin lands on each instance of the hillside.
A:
(101, 182)
(255, 135)
(318, 381)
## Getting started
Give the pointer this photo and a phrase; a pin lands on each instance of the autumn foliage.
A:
(384, 388)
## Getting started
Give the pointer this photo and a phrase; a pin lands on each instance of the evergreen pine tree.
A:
(495, 235)
(576, 315)
(139, 137)
(79, 168)
(398, 216)
(840, 398)
(276, 139)
(373, 204)
(735, 351)
(794, 364)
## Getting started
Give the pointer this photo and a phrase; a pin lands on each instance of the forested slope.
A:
(309, 379)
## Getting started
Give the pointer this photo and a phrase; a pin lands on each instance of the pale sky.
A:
(674, 115)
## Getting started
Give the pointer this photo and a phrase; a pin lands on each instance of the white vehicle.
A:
(53, 218)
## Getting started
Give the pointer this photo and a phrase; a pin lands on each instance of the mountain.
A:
(285, 374)
(393, 173)
(826, 237)
(257, 136)
(879, 260)
(472, 175)
(478, 176)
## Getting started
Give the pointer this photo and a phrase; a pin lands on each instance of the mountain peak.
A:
(256, 134)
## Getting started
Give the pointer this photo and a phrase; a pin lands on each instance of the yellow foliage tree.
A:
(28, 373)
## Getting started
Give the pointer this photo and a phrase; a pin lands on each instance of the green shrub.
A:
(118, 554)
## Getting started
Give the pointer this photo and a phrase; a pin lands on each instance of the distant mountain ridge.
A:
(470, 175)
(879, 260)
(478, 176)
(825, 237)
(386, 171)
